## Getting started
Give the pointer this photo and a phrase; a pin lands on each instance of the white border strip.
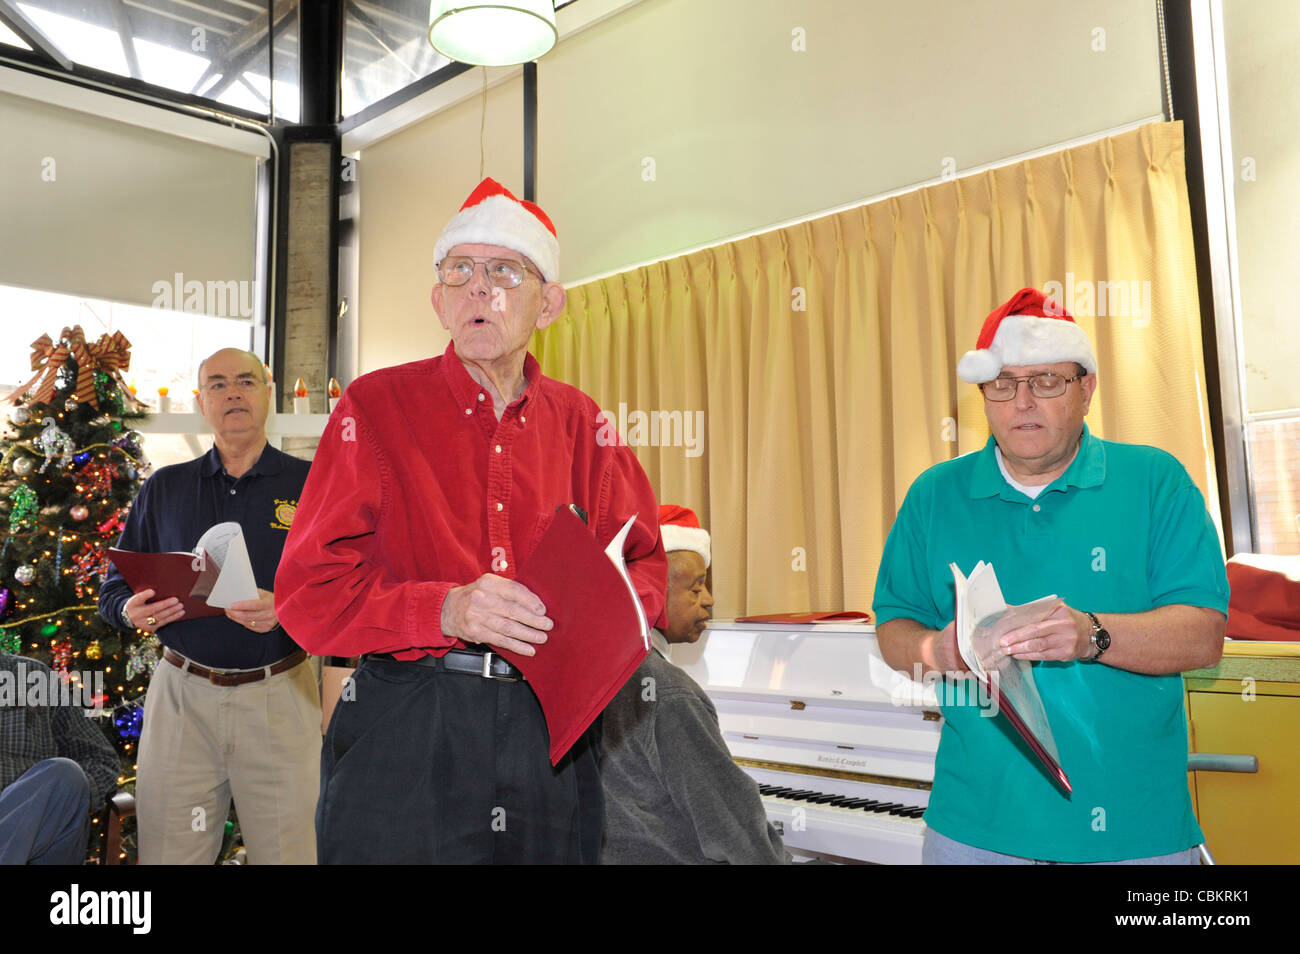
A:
(879, 197)
(71, 95)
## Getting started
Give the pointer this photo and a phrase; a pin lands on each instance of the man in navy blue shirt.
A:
(233, 709)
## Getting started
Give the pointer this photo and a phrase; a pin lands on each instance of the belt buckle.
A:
(487, 669)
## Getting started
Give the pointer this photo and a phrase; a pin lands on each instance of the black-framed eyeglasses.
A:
(501, 272)
(1044, 385)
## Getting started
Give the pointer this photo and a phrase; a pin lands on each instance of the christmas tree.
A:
(70, 465)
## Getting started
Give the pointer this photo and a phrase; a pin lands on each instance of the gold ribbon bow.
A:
(111, 354)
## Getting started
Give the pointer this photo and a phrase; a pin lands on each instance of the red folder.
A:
(171, 574)
(596, 642)
(845, 616)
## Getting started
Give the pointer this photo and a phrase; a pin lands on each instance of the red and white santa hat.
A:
(681, 530)
(1028, 329)
(493, 216)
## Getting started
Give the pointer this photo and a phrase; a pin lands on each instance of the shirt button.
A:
(481, 395)
(469, 410)
(232, 491)
(1037, 508)
(522, 419)
(500, 507)
(498, 448)
(503, 565)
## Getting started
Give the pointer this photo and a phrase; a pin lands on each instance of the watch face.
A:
(1103, 640)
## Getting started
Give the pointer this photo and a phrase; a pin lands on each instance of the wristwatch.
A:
(126, 619)
(1100, 638)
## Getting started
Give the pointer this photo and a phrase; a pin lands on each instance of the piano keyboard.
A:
(846, 826)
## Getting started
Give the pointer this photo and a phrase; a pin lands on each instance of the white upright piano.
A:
(841, 746)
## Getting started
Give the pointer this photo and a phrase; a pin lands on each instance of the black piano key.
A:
(765, 789)
(916, 812)
(820, 799)
(780, 792)
(901, 809)
(802, 794)
(887, 807)
(866, 804)
(840, 801)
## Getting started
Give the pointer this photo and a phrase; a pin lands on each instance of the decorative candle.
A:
(335, 392)
(301, 403)
(164, 402)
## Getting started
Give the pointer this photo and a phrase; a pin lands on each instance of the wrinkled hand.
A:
(152, 616)
(257, 615)
(496, 612)
(1063, 636)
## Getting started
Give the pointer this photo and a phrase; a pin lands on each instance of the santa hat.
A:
(493, 216)
(1028, 329)
(681, 530)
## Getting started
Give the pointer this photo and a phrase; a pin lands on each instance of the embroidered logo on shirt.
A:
(284, 511)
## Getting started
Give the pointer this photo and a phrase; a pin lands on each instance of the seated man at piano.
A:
(672, 793)
(1121, 534)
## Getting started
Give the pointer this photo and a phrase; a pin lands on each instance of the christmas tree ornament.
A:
(81, 458)
(79, 512)
(89, 567)
(6, 603)
(23, 466)
(49, 629)
(94, 650)
(22, 507)
(142, 657)
(25, 574)
(20, 415)
(10, 643)
(70, 405)
(127, 719)
(54, 442)
(62, 655)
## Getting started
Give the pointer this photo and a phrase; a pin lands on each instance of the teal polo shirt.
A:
(1123, 530)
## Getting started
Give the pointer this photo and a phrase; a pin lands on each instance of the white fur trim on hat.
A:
(695, 539)
(1024, 339)
(500, 220)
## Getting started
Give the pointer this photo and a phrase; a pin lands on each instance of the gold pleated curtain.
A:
(821, 357)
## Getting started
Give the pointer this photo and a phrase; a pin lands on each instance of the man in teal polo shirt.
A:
(1121, 534)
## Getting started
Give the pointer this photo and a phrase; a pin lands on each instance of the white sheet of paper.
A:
(615, 553)
(224, 544)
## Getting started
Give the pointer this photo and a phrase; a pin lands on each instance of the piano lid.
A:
(816, 695)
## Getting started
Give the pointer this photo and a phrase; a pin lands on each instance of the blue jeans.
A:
(45, 815)
(942, 850)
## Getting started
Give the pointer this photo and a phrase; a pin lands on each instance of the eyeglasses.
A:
(501, 272)
(1045, 385)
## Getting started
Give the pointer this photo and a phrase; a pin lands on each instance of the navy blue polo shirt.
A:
(175, 507)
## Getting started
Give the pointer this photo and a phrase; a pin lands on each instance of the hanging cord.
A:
(1164, 59)
(482, 129)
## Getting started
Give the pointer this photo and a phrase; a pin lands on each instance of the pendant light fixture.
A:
(492, 34)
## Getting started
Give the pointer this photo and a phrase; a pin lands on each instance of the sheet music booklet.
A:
(983, 618)
(600, 633)
(207, 580)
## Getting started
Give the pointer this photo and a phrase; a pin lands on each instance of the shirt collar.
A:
(466, 390)
(271, 461)
(1088, 469)
(659, 642)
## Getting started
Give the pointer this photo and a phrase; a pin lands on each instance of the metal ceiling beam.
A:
(126, 34)
(244, 45)
(31, 34)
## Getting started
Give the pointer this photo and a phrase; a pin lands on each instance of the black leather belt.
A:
(489, 665)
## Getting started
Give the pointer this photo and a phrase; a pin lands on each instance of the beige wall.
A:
(1261, 38)
(745, 131)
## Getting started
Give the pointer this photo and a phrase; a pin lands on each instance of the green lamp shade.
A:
(492, 34)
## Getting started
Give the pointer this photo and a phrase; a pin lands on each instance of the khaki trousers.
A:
(201, 744)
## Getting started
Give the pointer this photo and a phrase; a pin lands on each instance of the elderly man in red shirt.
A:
(432, 484)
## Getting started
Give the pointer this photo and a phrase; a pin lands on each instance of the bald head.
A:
(232, 352)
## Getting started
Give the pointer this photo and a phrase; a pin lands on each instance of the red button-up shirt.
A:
(416, 487)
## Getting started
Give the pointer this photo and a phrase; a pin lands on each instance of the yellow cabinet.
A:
(1249, 705)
